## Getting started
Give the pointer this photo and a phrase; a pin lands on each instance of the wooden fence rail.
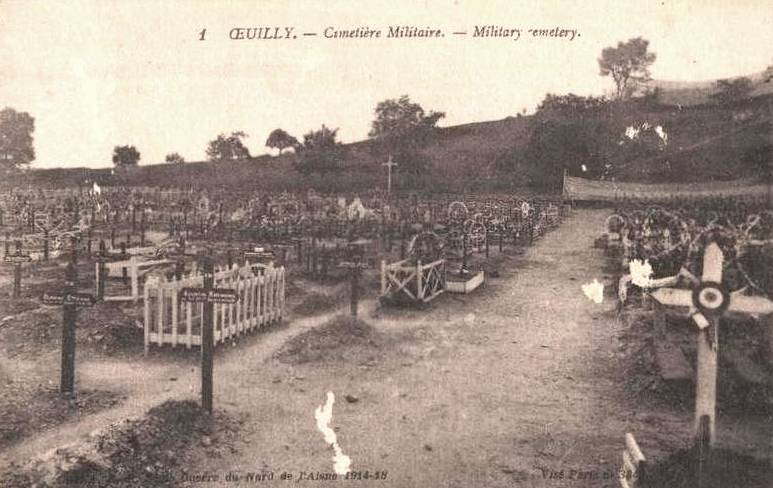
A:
(168, 320)
(419, 282)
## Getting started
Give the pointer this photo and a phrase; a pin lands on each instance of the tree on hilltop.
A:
(228, 147)
(280, 139)
(125, 156)
(401, 128)
(627, 63)
(320, 151)
(174, 158)
(16, 130)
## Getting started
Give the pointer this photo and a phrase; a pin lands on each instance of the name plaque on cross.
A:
(213, 295)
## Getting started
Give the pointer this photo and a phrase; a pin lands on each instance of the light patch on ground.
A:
(324, 415)
(594, 291)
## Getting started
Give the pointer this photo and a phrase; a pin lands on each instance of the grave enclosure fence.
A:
(169, 320)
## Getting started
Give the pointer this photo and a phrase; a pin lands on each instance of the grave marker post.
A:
(707, 302)
(142, 228)
(208, 295)
(45, 244)
(70, 301)
(69, 315)
(207, 337)
(101, 269)
(355, 268)
(17, 259)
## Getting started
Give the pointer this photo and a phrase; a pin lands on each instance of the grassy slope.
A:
(705, 142)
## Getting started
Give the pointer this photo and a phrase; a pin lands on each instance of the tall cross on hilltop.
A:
(389, 164)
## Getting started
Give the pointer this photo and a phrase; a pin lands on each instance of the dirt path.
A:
(143, 383)
(519, 384)
(499, 388)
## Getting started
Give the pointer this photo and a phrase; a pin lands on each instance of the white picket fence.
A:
(168, 320)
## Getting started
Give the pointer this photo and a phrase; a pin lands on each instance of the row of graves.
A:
(203, 272)
(701, 271)
(199, 214)
(185, 297)
(437, 255)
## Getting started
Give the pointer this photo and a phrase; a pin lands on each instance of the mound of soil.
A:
(152, 451)
(315, 303)
(341, 338)
(106, 328)
(12, 307)
(111, 328)
(723, 468)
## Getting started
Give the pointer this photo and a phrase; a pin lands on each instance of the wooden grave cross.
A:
(707, 302)
(70, 300)
(208, 295)
(355, 270)
(17, 259)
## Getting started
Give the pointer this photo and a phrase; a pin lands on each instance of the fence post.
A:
(146, 306)
(134, 278)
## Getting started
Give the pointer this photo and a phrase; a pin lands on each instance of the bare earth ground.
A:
(520, 381)
(485, 390)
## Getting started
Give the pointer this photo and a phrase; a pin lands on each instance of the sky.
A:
(96, 74)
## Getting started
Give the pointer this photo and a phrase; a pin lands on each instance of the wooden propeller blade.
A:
(712, 263)
(700, 320)
(750, 304)
(674, 297)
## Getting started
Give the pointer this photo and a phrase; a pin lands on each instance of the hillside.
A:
(705, 142)
(700, 92)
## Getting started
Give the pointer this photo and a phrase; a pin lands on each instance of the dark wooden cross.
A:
(208, 295)
(70, 300)
(354, 268)
(17, 259)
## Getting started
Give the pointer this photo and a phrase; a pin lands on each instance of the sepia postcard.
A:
(397, 244)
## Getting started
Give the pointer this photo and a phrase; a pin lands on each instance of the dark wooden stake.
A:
(142, 229)
(207, 338)
(45, 244)
(355, 284)
(69, 315)
(17, 273)
(101, 270)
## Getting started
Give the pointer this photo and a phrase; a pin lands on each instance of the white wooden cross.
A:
(389, 164)
(707, 302)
